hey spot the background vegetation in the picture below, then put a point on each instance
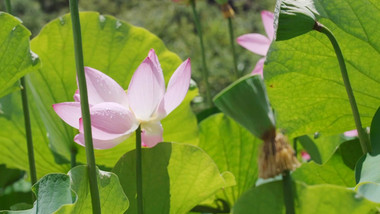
(173, 23)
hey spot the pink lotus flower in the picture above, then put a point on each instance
(305, 156)
(352, 133)
(257, 43)
(116, 114)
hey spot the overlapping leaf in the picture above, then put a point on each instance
(321, 148)
(13, 149)
(61, 193)
(268, 198)
(52, 191)
(176, 177)
(332, 172)
(16, 59)
(234, 149)
(112, 197)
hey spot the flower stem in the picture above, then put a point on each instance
(204, 70)
(28, 127)
(364, 141)
(8, 6)
(139, 172)
(28, 130)
(288, 192)
(84, 107)
(73, 158)
(232, 41)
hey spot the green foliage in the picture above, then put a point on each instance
(60, 193)
(303, 78)
(268, 198)
(367, 169)
(113, 199)
(246, 101)
(333, 172)
(9, 176)
(52, 191)
(294, 18)
(370, 191)
(107, 52)
(16, 58)
(174, 24)
(176, 177)
(16, 193)
(13, 150)
(320, 148)
(351, 152)
(368, 177)
(234, 149)
(375, 133)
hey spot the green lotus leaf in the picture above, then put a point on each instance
(16, 59)
(246, 101)
(303, 78)
(176, 177)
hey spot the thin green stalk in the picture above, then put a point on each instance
(28, 130)
(295, 146)
(28, 127)
(204, 70)
(288, 192)
(8, 6)
(232, 41)
(84, 107)
(73, 158)
(139, 172)
(364, 141)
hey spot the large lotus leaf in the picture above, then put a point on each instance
(176, 177)
(303, 76)
(112, 197)
(52, 191)
(234, 149)
(268, 198)
(13, 149)
(16, 59)
(113, 47)
(332, 172)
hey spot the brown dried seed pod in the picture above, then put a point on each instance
(276, 156)
(227, 11)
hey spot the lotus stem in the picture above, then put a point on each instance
(232, 41)
(8, 6)
(91, 166)
(28, 127)
(28, 130)
(229, 13)
(364, 141)
(288, 192)
(139, 172)
(204, 70)
(73, 159)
